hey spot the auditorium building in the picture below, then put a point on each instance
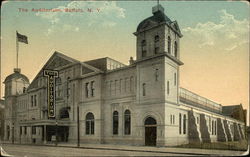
(106, 101)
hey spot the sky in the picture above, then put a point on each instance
(214, 46)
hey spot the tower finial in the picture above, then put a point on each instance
(157, 8)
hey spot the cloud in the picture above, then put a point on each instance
(228, 34)
(100, 13)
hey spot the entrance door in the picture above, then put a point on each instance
(150, 132)
(150, 136)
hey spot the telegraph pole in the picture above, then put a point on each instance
(78, 127)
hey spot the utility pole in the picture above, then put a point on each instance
(13, 133)
(56, 133)
(78, 127)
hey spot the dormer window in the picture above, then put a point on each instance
(169, 44)
(143, 47)
(175, 49)
(156, 44)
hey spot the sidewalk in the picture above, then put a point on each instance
(189, 151)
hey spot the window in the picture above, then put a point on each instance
(175, 49)
(197, 120)
(20, 130)
(131, 83)
(115, 122)
(90, 124)
(175, 79)
(212, 127)
(68, 87)
(92, 88)
(120, 86)
(86, 89)
(172, 119)
(33, 130)
(156, 74)
(210, 124)
(127, 122)
(179, 123)
(58, 87)
(34, 100)
(25, 130)
(24, 89)
(143, 47)
(169, 44)
(144, 89)
(156, 44)
(31, 100)
(215, 127)
(110, 88)
(184, 124)
(168, 87)
(116, 86)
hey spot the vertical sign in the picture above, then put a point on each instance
(51, 75)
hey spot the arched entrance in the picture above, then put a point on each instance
(150, 131)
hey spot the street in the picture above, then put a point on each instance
(41, 151)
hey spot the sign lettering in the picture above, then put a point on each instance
(51, 75)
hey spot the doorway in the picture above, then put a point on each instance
(150, 131)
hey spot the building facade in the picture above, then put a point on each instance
(105, 101)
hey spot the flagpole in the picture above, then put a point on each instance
(17, 47)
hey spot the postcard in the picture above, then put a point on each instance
(124, 78)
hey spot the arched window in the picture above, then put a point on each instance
(184, 124)
(143, 47)
(150, 121)
(90, 124)
(169, 44)
(144, 89)
(127, 122)
(156, 44)
(175, 49)
(115, 122)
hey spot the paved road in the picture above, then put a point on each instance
(44, 151)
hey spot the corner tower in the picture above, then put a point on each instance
(158, 45)
(157, 71)
(15, 84)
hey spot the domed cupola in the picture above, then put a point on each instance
(158, 35)
(158, 18)
(16, 83)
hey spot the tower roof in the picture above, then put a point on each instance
(158, 17)
(16, 75)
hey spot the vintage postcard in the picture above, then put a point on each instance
(124, 78)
